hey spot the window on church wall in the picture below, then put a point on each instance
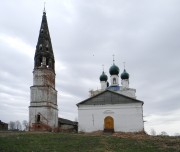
(40, 61)
(43, 61)
(47, 48)
(50, 64)
(37, 62)
(38, 118)
(42, 30)
(114, 80)
(47, 63)
(40, 47)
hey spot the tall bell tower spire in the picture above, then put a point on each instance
(43, 109)
(44, 56)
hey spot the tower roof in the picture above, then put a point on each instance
(103, 77)
(44, 46)
(124, 75)
(114, 70)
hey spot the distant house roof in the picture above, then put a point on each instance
(66, 121)
(109, 97)
(3, 123)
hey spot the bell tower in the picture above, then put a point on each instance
(43, 109)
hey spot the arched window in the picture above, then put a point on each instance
(114, 80)
(40, 46)
(47, 47)
(38, 118)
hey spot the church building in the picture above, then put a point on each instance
(43, 109)
(113, 108)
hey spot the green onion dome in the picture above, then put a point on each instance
(103, 77)
(114, 70)
(124, 75)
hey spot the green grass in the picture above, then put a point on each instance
(66, 142)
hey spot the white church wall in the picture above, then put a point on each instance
(114, 80)
(127, 117)
(103, 85)
(128, 92)
(125, 83)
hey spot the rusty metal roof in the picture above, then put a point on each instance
(66, 121)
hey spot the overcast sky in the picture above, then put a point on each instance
(85, 34)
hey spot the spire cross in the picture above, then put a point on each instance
(124, 64)
(44, 6)
(113, 58)
(103, 67)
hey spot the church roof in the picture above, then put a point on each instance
(2, 123)
(66, 121)
(109, 97)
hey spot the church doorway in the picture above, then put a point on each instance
(108, 124)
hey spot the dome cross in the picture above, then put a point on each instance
(113, 58)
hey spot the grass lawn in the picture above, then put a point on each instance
(67, 142)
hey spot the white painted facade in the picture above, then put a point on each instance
(103, 85)
(130, 92)
(125, 83)
(127, 117)
(114, 80)
(112, 108)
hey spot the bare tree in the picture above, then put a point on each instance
(153, 132)
(163, 133)
(18, 125)
(12, 125)
(25, 124)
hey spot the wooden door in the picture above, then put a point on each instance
(108, 123)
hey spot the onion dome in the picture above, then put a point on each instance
(114, 70)
(124, 75)
(103, 77)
